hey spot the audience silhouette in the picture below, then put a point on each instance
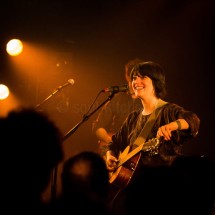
(85, 184)
(31, 148)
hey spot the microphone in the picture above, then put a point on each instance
(116, 89)
(70, 81)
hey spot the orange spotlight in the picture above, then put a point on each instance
(14, 47)
(4, 92)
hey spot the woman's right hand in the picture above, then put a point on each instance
(111, 161)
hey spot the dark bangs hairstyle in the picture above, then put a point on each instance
(155, 72)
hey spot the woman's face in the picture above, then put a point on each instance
(143, 86)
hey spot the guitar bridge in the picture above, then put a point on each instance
(132, 166)
(132, 163)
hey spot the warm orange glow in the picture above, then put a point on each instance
(35, 75)
(34, 62)
(4, 91)
(14, 47)
(37, 67)
(8, 104)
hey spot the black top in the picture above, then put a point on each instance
(169, 149)
(114, 113)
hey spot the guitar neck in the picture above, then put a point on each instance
(146, 146)
(130, 155)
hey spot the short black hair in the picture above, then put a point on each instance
(155, 72)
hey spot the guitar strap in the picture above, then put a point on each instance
(148, 125)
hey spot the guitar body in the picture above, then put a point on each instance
(122, 175)
(128, 164)
(120, 178)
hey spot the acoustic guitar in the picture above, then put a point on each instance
(127, 164)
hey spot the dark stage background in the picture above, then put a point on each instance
(90, 42)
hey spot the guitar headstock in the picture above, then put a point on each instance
(152, 145)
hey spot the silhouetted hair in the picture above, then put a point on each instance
(85, 174)
(33, 142)
(155, 72)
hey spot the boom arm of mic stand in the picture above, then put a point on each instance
(86, 117)
(55, 91)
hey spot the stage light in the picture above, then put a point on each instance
(14, 47)
(4, 92)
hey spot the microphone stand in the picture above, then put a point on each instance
(86, 117)
(54, 92)
(67, 135)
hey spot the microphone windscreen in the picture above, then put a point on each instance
(71, 81)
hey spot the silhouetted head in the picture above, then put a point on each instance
(31, 147)
(85, 174)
